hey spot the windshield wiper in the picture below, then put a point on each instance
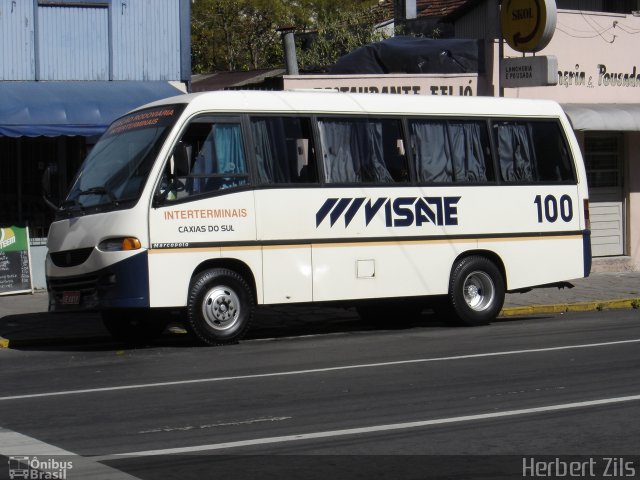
(70, 203)
(98, 191)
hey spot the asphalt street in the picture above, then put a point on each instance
(426, 401)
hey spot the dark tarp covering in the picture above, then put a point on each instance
(412, 55)
(52, 109)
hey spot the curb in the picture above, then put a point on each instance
(624, 303)
(50, 342)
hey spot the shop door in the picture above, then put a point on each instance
(604, 158)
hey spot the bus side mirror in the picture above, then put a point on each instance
(177, 166)
(49, 200)
(181, 165)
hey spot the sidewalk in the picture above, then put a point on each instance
(599, 291)
(24, 320)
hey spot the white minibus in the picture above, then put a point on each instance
(210, 204)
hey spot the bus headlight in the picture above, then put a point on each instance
(120, 244)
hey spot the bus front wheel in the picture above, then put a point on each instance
(220, 306)
(476, 291)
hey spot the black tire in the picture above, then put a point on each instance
(476, 291)
(133, 326)
(220, 306)
(391, 314)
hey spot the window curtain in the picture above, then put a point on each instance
(336, 147)
(353, 151)
(367, 145)
(448, 152)
(203, 163)
(230, 156)
(432, 152)
(515, 154)
(221, 153)
(269, 137)
(229, 152)
(467, 152)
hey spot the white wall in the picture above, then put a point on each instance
(592, 46)
(38, 254)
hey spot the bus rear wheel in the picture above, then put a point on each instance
(476, 291)
(220, 306)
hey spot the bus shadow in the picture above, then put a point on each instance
(270, 323)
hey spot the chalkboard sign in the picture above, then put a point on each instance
(15, 261)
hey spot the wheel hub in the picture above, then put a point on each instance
(220, 308)
(479, 291)
(472, 291)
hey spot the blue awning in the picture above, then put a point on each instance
(52, 109)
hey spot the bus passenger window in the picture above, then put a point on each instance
(448, 151)
(515, 152)
(532, 151)
(551, 152)
(284, 150)
(363, 150)
(209, 157)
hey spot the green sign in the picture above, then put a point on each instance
(15, 265)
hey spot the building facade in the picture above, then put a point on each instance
(68, 69)
(598, 85)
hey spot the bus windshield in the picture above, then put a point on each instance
(115, 172)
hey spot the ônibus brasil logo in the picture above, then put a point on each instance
(397, 212)
(38, 469)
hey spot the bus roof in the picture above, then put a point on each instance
(329, 102)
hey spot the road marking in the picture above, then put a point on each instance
(186, 428)
(371, 429)
(19, 445)
(517, 392)
(314, 370)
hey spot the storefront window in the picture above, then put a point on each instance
(603, 159)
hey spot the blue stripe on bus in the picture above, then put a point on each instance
(586, 248)
(131, 286)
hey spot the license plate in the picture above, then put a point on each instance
(70, 298)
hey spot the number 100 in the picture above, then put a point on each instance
(550, 208)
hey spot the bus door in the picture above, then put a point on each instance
(203, 208)
(287, 177)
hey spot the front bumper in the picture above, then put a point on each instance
(124, 284)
